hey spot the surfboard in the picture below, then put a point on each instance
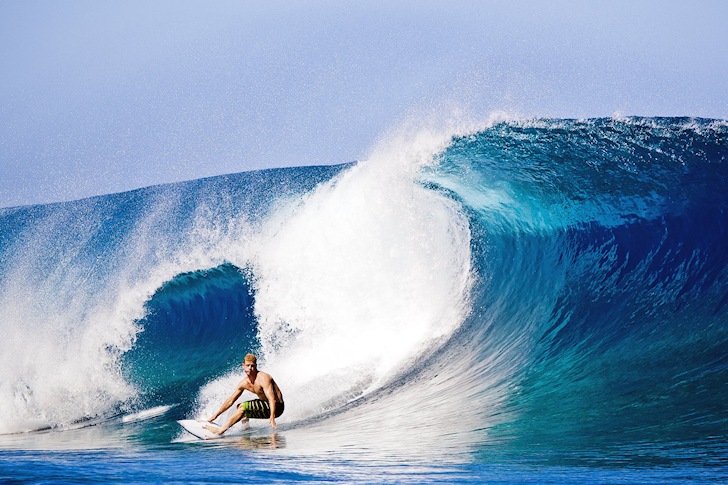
(197, 428)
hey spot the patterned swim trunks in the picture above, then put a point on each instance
(259, 409)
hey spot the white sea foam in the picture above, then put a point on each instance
(57, 354)
(359, 277)
(66, 320)
(146, 414)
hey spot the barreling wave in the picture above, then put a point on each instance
(600, 246)
(557, 282)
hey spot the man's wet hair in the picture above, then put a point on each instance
(250, 358)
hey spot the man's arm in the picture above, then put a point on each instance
(228, 402)
(271, 395)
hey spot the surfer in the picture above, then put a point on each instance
(268, 406)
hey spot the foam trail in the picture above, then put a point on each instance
(146, 414)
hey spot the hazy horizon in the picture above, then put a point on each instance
(106, 97)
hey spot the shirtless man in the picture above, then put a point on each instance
(269, 406)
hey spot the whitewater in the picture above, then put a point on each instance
(512, 300)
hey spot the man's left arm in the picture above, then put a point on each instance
(271, 395)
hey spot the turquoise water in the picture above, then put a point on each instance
(522, 301)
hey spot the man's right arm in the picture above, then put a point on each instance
(228, 402)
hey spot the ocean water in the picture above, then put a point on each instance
(519, 301)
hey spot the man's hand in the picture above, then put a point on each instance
(273, 422)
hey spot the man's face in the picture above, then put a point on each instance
(249, 367)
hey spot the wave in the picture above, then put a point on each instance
(605, 274)
(558, 282)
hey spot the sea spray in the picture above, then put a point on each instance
(77, 279)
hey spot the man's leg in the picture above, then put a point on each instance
(238, 416)
(244, 421)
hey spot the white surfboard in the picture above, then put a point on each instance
(197, 429)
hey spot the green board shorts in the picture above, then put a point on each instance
(259, 409)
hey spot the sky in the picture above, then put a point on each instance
(102, 97)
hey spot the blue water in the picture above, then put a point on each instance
(515, 301)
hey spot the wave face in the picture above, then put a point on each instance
(532, 284)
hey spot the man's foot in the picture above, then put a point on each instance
(215, 429)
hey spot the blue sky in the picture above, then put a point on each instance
(100, 97)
